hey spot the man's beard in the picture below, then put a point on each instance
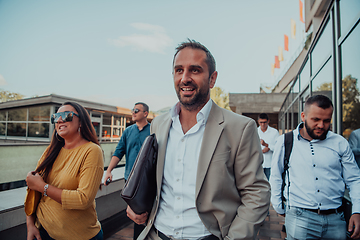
(196, 101)
(313, 135)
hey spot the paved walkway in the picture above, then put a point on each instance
(270, 230)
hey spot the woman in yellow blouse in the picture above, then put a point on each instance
(71, 170)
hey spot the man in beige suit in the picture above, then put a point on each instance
(210, 181)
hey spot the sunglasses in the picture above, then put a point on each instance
(65, 116)
(135, 110)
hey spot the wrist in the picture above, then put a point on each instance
(46, 187)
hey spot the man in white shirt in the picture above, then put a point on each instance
(268, 136)
(320, 165)
(210, 182)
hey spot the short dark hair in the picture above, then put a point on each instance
(145, 106)
(321, 101)
(263, 116)
(210, 60)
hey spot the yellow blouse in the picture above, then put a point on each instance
(79, 173)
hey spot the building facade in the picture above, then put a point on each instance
(29, 119)
(330, 67)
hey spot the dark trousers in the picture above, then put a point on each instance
(137, 230)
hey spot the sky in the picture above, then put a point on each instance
(120, 52)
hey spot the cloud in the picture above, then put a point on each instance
(2, 80)
(156, 41)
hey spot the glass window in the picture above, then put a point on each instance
(39, 113)
(305, 75)
(322, 50)
(2, 129)
(296, 113)
(2, 115)
(116, 133)
(349, 10)
(117, 120)
(106, 131)
(296, 87)
(16, 129)
(350, 82)
(17, 114)
(38, 130)
(107, 119)
(97, 128)
(323, 82)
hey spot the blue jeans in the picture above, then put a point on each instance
(45, 236)
(267, 173)
(302, 224)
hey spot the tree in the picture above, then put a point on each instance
(350, 100)
(220, 97)
(351, 103)
(9, 96)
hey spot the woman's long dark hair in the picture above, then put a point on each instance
(87, 131)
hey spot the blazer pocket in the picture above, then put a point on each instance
(223, 156)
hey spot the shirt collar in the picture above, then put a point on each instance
(203, 114)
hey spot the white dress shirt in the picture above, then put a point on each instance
(318, 172)
(177, 215)
(269, 136)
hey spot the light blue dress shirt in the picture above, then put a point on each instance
(318, 172)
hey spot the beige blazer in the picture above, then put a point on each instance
(232, 193)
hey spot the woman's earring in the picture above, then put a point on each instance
(60, 139)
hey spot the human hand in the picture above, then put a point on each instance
(32, 231)
(265, 149)
(354, 225)
(34, 181)
(138, 219)
(107, 176)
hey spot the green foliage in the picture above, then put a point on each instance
(220, 97)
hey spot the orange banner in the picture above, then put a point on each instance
(293, 28)
(301, 11)
(277, 62)
(286, 42)
(281, 56)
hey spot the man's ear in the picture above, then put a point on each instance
(213, 78)
(302, 116)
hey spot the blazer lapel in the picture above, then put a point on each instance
(162, 138)
(212, 133)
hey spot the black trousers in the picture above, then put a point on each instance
(137, 230)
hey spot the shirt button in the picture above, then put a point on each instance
(179, 160)
(318, 190)
(182, 140)
(177, 233)
(177, 218)
(177, 180)
(178, 198)
(314, 165)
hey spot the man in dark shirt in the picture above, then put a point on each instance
(130, 144)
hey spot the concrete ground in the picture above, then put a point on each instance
(270, 230)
